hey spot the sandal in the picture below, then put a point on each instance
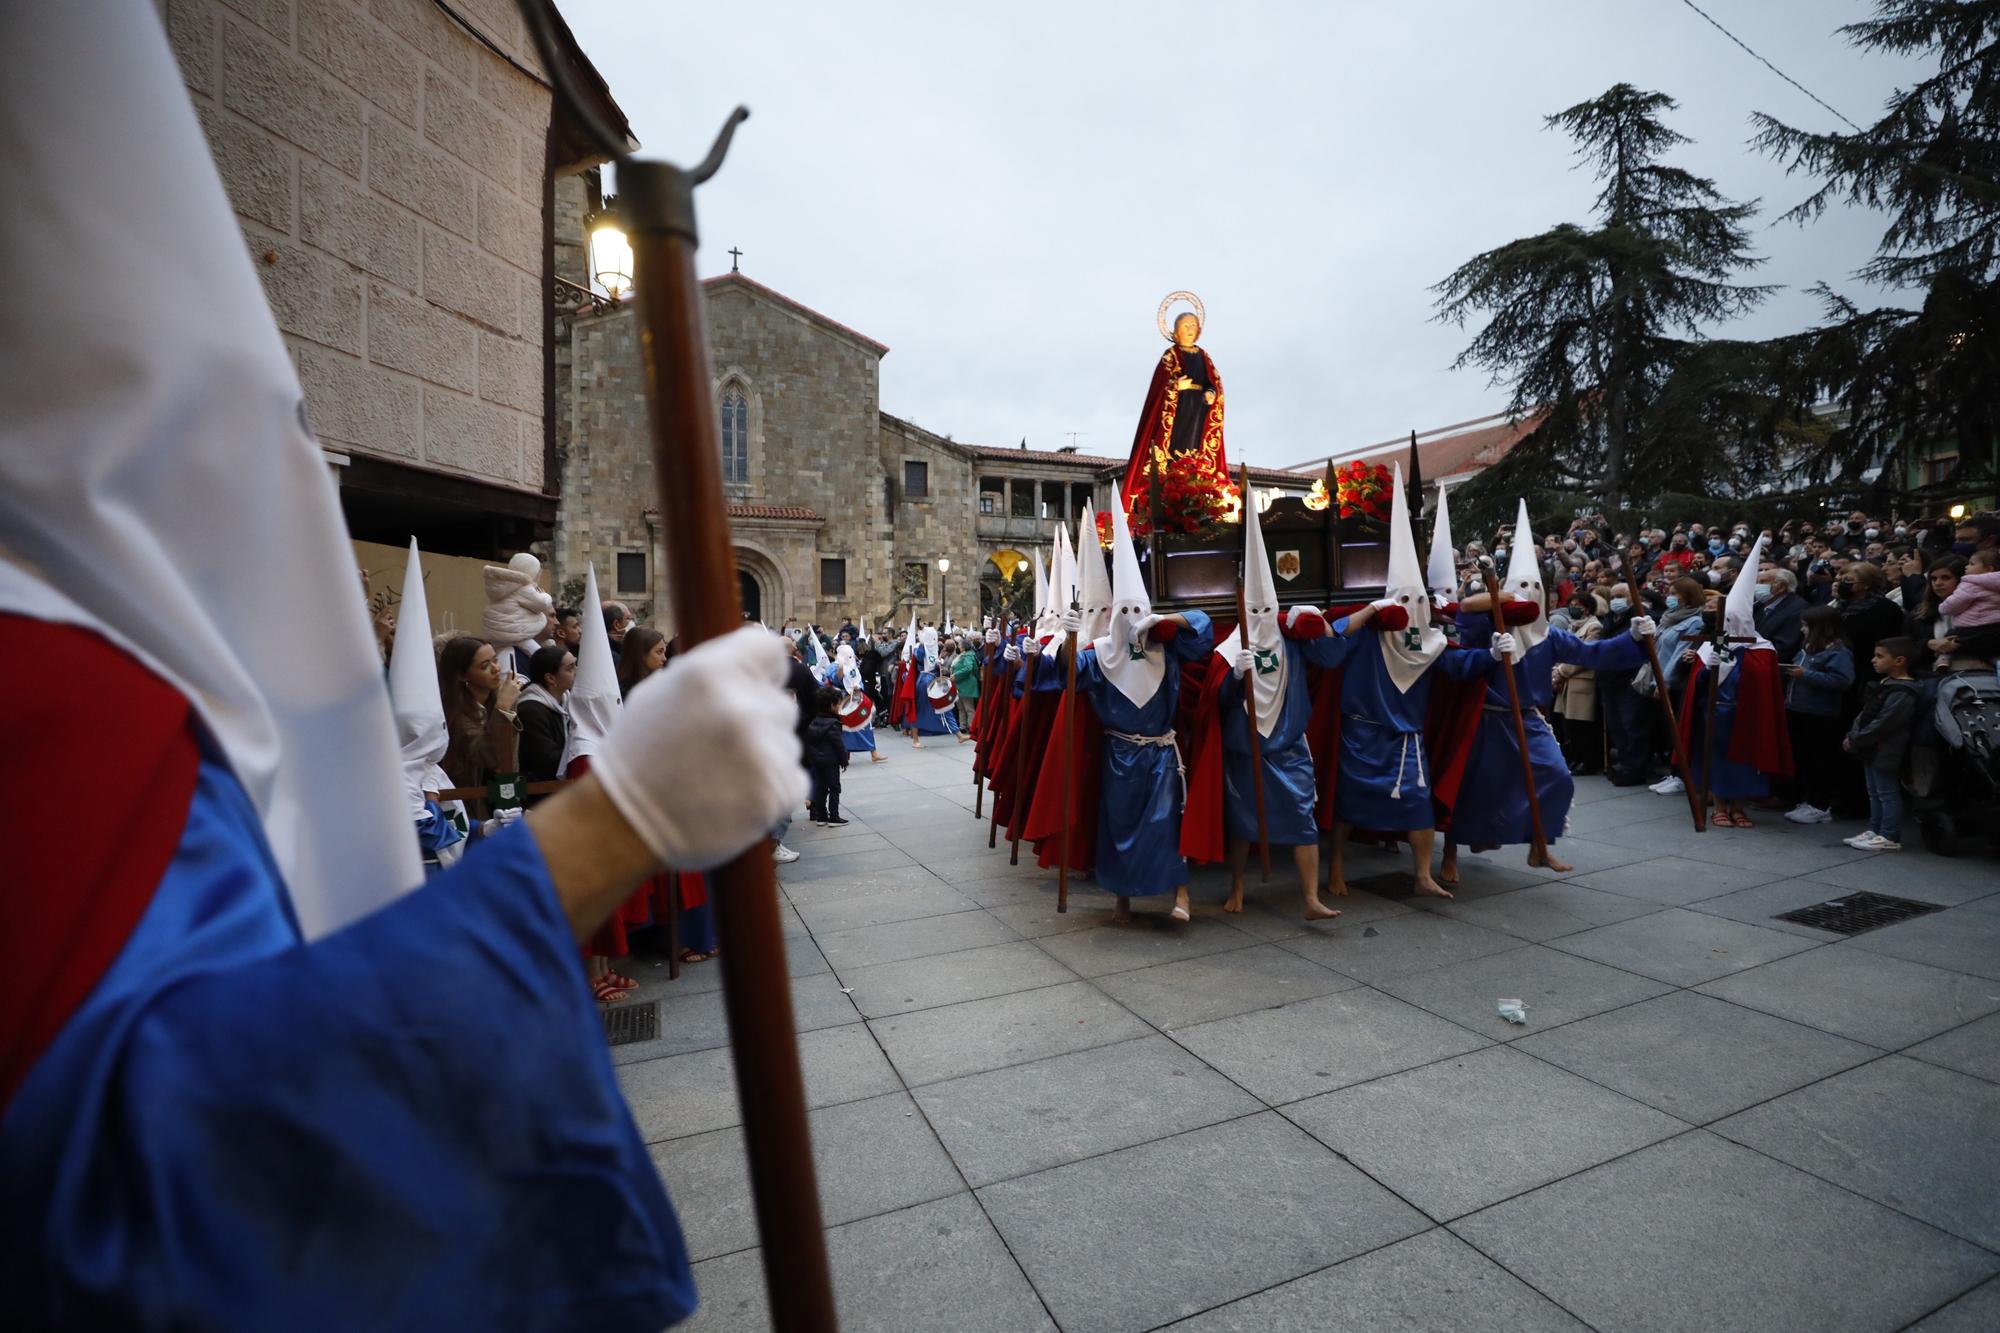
(620, 981)
(605, 992)
(690, 956)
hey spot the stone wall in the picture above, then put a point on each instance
(939, 525)
(388, 170)
(607, 481)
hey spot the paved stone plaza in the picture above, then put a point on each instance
(1712, 1119)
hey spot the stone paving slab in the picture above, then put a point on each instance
(1968, 878)
(1924, 1140)
(1761, 905)
(1317, 1045)
(1973, 1049)
(1556, 987)
(1963, 939)
(871, 1157)
(1695, 1057)
(1395, 946)
(1467, 1132)
(1697, 1233)
(694, 1093)
(1426, 1284)
(1146, 941)
(1681, 947)
(936, 1266)
(695, 1021)
(952, 978)
(1035, 917)
(918, 937)
(1196, 1220)
(1221, 985)
(1676, 880)
(936, 1044)
(1545, 911)
(1978, 1311)
(1877, 998)
(881, 908)
(1027, 1118)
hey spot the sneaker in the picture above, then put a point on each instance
(1808, 814)
(1667, 786)
(1877, 843)
(836, 822)
(783, 855)
(819, 823)
(1861, 839)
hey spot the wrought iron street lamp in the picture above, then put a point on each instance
(944, 590)
(610, 255)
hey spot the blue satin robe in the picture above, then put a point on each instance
(1384, 771)
(1494, 809)
(1727, 779)
(1290, 788)
(1142, 793)
(931, 722)
(856, 739)
(410, 1123)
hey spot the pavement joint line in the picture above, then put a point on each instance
(977, 999)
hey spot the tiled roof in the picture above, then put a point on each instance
(1039, 456)
(776, 297)
(741, 509)
(1447, 451)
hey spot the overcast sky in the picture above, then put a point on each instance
(1003, 193)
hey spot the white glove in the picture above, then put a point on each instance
(1292, 616)
(1383, 604)
(1013, 653)
(1144, 625)
(1246, 661)
(1032, 646)
(720, 710)
(1642, 627)
(1503, 647)
(1072, 622)
(992, 637)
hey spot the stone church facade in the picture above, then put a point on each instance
(838, 509)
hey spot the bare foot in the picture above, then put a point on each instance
(1123, 912)
(1548, 860)
(1319, 911)
(1337, 887)
(916, 745)
(1448, 872)
(875, 758)
(1235, 902)
(1430, 888)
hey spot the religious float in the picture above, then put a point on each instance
(1327, 548)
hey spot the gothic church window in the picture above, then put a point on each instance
(735, 436)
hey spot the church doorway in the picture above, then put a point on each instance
(752, 595)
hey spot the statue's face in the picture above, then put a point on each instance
(1186, 329)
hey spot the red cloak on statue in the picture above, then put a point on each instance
(1155, 435)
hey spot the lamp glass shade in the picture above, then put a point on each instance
(611, 258)
(944, 564)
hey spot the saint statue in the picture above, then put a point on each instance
(1183, 411)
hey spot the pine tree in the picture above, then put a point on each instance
(1592, 325)
(1911, 378)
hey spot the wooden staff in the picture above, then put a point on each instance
(1020, 815)
(1250, 701)
(1006, 689)
(1679, 753)
(983, 715)
(1068, 764)
(1538, 854)
(1708, 732)
(657, 201)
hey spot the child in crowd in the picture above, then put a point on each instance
(1974, 606)
(1817, 688)
(1879, 738)
(826, 755)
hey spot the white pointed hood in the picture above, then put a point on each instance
(1134, 667)
(1260, 609)
(1094, 581)
(1523, 583)
(1442, 570)
(595, 699)
(1063, 588)
(1739, 608)
(928, 637)
(158, 484)
(414, 695)
(1045, 597)
(910, 637)
(1409, 652)
(849, 667)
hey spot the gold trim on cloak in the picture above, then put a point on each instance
(1211, 433)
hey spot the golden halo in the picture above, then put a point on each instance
(1160, 319)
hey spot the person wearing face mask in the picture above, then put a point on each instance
(1627, 722)
(1575, 707)
(1680, 628)
(1777, 610)
(1676, 559)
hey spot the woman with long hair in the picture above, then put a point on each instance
(1928, 624)
(479, 715)
(643, 652)
(543, 713)
(1817, 687)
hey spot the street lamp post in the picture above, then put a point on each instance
(944, 590)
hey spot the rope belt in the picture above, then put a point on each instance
(1166, 740)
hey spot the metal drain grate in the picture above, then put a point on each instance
(627, 1023)
(1858, 912)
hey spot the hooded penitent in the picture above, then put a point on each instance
(1407, 652)
(1134, 667)
(1260, 609)
(1039, 626)
(595, 698)
(849, 666)
(516, 609)
(1094, 581)
(1522, 586)
(1739, 615)
(1062, 581)
(413, 690)
(1442, 570)
(178, 503)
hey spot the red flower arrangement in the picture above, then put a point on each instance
(1104, 528)
(1363, 489)
(1192, 498)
